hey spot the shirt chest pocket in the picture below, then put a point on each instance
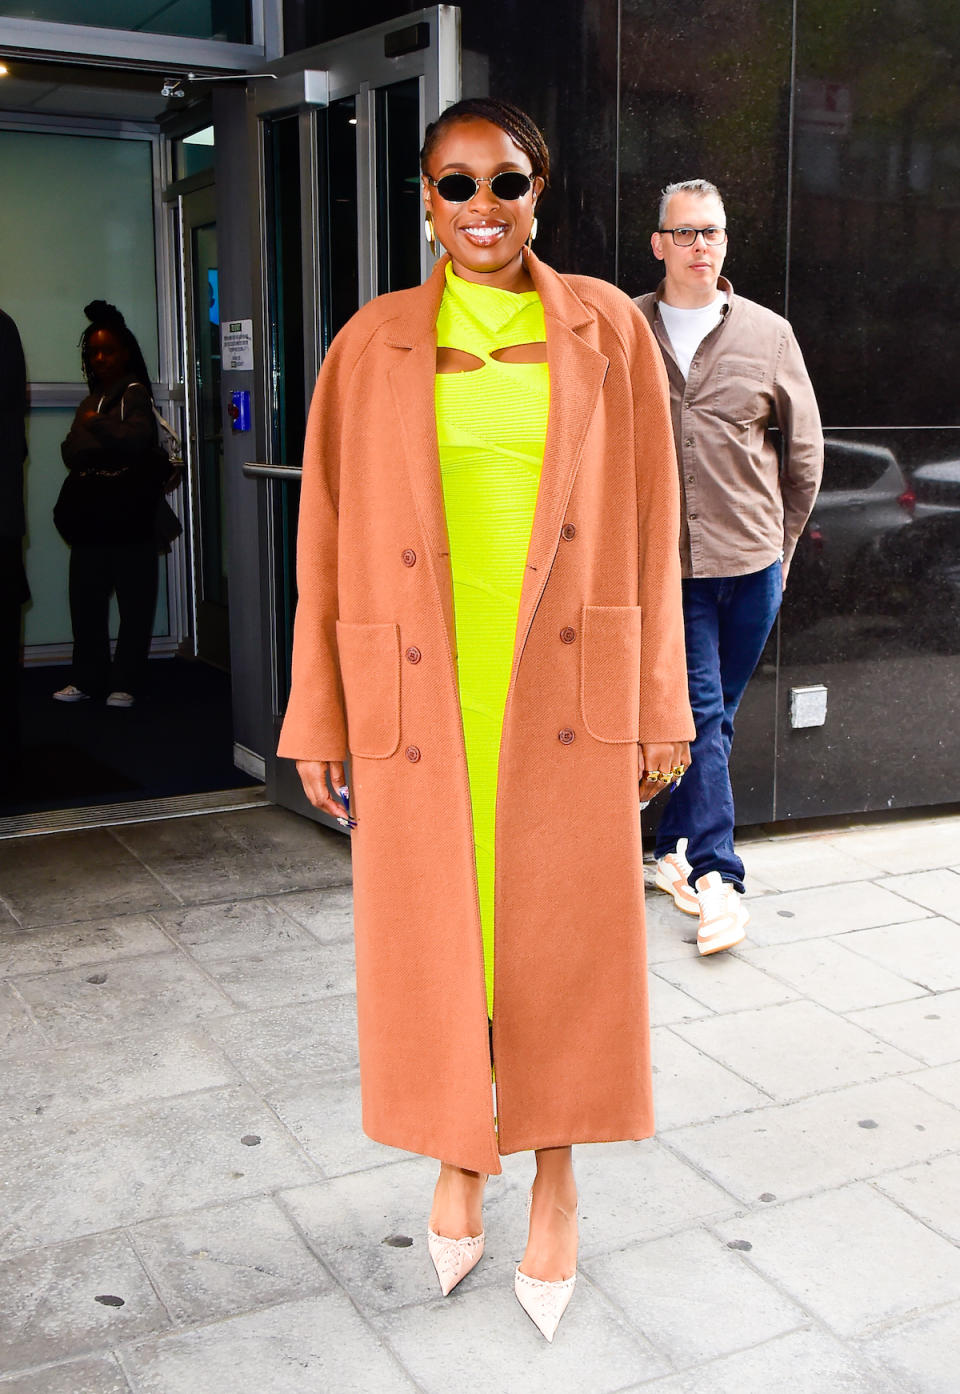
(741, 392)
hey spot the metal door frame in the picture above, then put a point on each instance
(355, 65)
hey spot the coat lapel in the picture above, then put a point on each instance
(414, 339)
(577, 372)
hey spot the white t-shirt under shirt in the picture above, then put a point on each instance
(688, 328)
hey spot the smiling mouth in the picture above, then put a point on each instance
(484, 234)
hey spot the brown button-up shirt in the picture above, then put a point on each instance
(742, 505)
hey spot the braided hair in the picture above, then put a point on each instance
(509, 118)
(103, 315)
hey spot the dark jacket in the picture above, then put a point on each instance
(13, 441)
(117, 469)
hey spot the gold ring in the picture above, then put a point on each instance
(657, 777)
(678, 772)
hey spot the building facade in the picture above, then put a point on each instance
(278, 188)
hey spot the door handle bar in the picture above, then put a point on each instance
(258, 470)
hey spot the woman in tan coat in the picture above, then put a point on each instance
(406, 589)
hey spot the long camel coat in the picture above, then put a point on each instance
(375, 672)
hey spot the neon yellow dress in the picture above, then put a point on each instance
(491, 427)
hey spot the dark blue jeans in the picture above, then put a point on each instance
(727, 621)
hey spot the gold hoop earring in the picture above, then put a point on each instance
(430, 233)
(533, 231)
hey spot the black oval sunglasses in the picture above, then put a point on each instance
(509, 184)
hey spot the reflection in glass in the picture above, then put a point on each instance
(225, 20)
(337, 201)
(399, 208)
(876, 209)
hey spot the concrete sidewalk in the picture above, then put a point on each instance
(188, 1205)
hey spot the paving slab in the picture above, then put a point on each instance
(99, 1375)
(76, 1082)
(485, 1341)
(803, 1362)
(692, 1297)
(794, 864)
(73, 945)
(816, 913)
(794, 1050)
(276, 978)
(689, 1087)
(233, 929)
(832, 1253)
(53, 1302)
(905, 845)
(669, 1004)
(925, 952)
(84, 876)
(317, 1344)
(327, 914)
(58, 1182)
(921, 1354)
(249, 853)
(930, 1192)
(225, 1260)
(18, 1030)
(631, 1191)
(347, 1219)
(935, 890)
(928, 1027)
(942, 1081)
(324, 1116)
(281, 1045)
(100, 999)
(725, 982)
(827, 972)
(670, 933)
(799, 1148)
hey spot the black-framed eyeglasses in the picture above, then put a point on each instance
(686, 236)
(509, 185)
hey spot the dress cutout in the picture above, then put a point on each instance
(491, 428)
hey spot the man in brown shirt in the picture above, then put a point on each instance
(735, 372)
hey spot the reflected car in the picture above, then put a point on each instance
(864, 502)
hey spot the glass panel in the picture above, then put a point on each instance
(337, 151)
(289, 405)
(209, 445)
(193, 154)
(876, 209)
(399, 205)
(226, 20)
(107, 185)
(872, 611)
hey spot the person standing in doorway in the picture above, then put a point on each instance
(14, 592)
(107, 511)
(735, 373)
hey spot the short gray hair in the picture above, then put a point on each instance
(701, 187)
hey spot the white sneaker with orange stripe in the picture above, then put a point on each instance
(671, 876)
(723, 915)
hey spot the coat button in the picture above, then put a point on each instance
(567, 635)
(408, 556)
(688, 441)
(412, 753)
(566, 736)
(413, 655)
(692, 517)
(568, 532)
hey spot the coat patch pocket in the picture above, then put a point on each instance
(370, 670)
(610, 672)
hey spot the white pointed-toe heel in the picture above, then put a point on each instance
(544, 1303)
(454, 1258)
